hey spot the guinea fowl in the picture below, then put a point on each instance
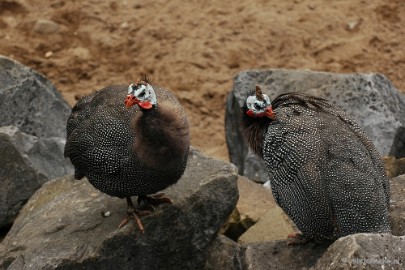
(135, 149)
(324, 171)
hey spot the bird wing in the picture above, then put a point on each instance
(322, 171)
(292, 150)
(356, 185)
(98, 139)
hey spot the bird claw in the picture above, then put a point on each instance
(150, 201)
(134, 214)
(297, 238)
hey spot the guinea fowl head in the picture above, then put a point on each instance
(141, 93)
(162, 137)
(257, 114)
(259, 105)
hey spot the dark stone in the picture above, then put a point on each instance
(397, 205)
(26, 163)
(279, 255)
(394, 166)
(364, 251)
(62, 226)
(30, 102)
(371, 98)
(222, 254)
(398, 146)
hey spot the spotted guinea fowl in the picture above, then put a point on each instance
(132, 149)
(324, 171)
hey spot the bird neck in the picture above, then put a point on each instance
(161, 137)
(253, 130)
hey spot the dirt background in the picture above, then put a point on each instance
(195, 48)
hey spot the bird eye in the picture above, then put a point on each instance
(141, 94)
(258, 106)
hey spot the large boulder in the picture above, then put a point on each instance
(358, 251)
(68, 224)
(364, 251)
(30, 102)
(371, 98)
(255, 213)
(221, 254)
(26, 163)
(397, 205)
(279, 255)
(33, 118)
(273, 225)
(394, 166)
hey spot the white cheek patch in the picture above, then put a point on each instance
(146, 93)
(257, 106)
(141, 88)
(131, 88)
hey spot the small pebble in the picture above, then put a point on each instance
(48, 54)
(105, 213)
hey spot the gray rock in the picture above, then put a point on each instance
(62, 227)
(279, 255)
(358, 251)
(30, 102)
(364, 251)
(221, 254)
(398, 146)
(43, 26)
(394, 166)
(371, 98)
(273, 225)
(26, 163)
(397, 205)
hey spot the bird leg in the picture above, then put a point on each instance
(153, 201)
(134, 214)
(297, 238)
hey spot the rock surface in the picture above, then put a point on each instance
(43, 26)
(255, 210)
(397, 205)
(279, 255)
(62, 226)
(221, 254)
(33, 118)
(26, 163)
(364, 251)
(273, 225)
(371, 98)
(394, 166)
(30, 102)
(359, 251)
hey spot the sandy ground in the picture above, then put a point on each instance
(195, 48)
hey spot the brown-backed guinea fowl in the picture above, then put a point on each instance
(129, 141)
(325, 173)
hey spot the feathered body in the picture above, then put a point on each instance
(325, 173)
(128, 151)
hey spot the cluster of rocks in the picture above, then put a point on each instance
(32, 136)
(219, 219)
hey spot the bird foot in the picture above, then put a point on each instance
(154, 200)
(297, 238)
(134, 214)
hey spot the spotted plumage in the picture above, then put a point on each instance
(324, 171)
(131, 151)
